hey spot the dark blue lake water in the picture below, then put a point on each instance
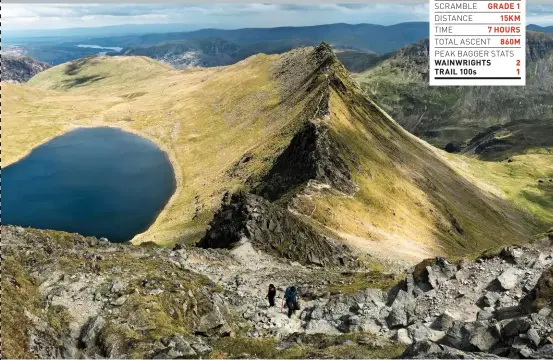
(100, 182)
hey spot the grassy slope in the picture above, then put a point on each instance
(524, 181)
(410, 200)
(206, 120)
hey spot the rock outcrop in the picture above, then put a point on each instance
(19, 69)
(461, 310)
(274, 230)
(312, 155)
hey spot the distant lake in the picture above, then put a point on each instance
(100, 182)
(100, 47)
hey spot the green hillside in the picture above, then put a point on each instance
(365, 181)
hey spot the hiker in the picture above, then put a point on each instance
(271, 295)
(291, 298)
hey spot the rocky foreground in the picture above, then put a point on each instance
(65, 295)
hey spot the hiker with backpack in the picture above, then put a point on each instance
(271, 295)
(291, 299)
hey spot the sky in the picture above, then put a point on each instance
(225, 16)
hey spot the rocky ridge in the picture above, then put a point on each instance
(249, 218)
(187, 301)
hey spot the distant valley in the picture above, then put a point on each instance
(358, 46)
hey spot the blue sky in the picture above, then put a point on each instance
(226, 16)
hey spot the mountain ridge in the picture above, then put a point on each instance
(275, 97)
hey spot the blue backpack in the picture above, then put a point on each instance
(290, 295)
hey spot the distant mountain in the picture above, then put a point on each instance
(442, 115)
(362, 37)
(18, 69)
(59, 46)
(358, 45)
(534, 27)
(178, 47)
(208, 52)
(359, 61)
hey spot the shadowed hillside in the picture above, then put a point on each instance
(442, 115)
(294, 128)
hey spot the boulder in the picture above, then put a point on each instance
(370, 326)
(402, 336)
(545, 352)
(430, 273)
(420, 332)
(443, 322)
(457, 336)
(490, 299)
(541, 295)
(508, 278)
(534, 336)
(176, 348)
(484, 315)
(515, 327)
(483, 337)
(512, 254)
(509, 312)
(397, 318)
(320, 327)
(213, 323)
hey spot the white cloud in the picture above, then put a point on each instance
(227, 15)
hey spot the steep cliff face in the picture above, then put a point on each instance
(19, 69)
